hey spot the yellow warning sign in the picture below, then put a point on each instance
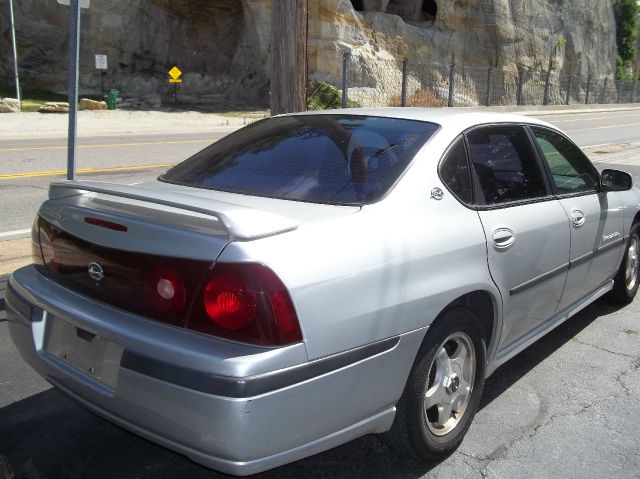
(175, 73)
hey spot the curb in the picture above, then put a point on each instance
(531, 110)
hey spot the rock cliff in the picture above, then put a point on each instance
(222, 46)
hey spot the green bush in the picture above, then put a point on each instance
(323, 96)
(626, 14)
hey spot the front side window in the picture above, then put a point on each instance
(571, 170)
(505, 165)
(333, 159)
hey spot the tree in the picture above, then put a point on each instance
(626, 15)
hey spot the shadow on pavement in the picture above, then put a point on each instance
(49, 436)
(528, 359)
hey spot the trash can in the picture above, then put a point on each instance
(111, 98)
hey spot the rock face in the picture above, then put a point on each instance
(223, 46)
(212, 42)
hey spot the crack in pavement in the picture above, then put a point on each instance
(504, 450)
(617, 353)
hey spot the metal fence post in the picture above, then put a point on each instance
(568, 90)
(633, 92)
(452, 70)
(547, 83)
(586, 96)
(405, 79)
(489, 86)
(345, 77)
(618, 90)
(519, 90)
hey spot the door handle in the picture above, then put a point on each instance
(503, 238)
(577, 218)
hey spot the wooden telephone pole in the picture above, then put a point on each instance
(288, 56)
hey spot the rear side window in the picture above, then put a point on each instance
(571, 170)
(505, 165)
(454, 172)
(334, 159)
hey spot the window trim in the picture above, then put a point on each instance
(549, 196)
(472, 205)
(547, 168)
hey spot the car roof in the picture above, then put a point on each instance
(446, 117)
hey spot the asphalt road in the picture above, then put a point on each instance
(28, 166)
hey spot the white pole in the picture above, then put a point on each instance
(15, 53)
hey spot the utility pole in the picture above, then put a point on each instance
(15, 53)
(289, 56)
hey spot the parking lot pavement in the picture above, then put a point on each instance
(565, 407)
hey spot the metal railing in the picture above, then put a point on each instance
(390, 82)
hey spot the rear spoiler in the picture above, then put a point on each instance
(241, 222)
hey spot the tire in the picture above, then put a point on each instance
(627, 279)
(434, 413)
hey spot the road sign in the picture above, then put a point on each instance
(175, 73)
(101, 62)
(83, 3)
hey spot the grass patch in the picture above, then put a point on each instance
(33, 99)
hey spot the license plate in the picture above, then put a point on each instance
(83, 350)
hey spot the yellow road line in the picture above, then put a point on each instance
(109, 145)
(82, 170)
(601, 127)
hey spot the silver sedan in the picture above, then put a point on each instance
(316, 277)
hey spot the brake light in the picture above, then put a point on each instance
(246, 302)
(227, 302)
(105, 224)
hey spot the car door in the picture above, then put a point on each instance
(526, 229)
(595, 217)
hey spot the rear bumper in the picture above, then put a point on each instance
(235, 408)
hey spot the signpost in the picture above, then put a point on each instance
(175, 74)
(15, 54)
(102, 65)
(74, 53)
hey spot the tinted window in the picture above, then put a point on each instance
(571, 170)
(505, 165)
(454, 171)
(336, 159)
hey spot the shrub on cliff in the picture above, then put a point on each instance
(626, 14)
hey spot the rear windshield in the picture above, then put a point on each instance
(334, 159)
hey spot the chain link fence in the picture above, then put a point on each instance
(383, 82)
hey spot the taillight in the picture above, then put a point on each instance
(46, 237)
(166, 289)
(245, 302)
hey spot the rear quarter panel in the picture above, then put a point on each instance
(390, 268)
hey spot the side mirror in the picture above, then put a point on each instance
(615, 180)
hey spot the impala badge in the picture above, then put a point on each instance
(96, 272)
